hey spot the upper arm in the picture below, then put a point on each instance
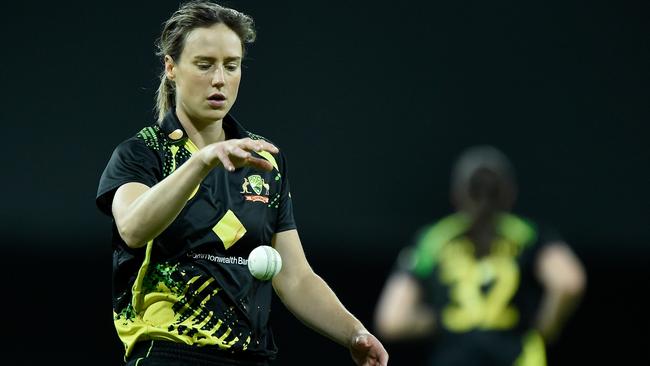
(558, 269)
(124, 196)
(131, 162)
(294, 262)
(286, 221)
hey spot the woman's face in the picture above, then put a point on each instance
(207, 75)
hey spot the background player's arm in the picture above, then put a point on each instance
(401, 313)
(312, 301)
(563, 277)
(141, 213)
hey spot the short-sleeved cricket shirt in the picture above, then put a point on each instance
(485, 306)
(191, 284)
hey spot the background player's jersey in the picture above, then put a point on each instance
(485, 305)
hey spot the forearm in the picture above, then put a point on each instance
(564, 281)
(401, 313)
(555, 309)
(153, 211)
(312, 301)
(414, 323)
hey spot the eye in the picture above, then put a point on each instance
(232, 66)
(203, 66)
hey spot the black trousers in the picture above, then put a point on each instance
(165, 353)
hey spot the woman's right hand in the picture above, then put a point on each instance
(236, 153)
(134, 204)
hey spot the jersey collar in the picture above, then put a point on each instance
(175, 133)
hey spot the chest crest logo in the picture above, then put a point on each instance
(260, 189)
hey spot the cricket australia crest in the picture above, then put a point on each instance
(260, 189)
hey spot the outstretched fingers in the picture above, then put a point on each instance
(225, 160)
(233, 154)
(258, 163)
(258, 145)
(238, 152)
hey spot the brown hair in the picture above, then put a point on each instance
(192, 15)
(483, 182)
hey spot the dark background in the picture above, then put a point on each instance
(371, 101)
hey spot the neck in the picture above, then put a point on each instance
(202, 133)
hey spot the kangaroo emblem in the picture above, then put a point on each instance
(244, 186)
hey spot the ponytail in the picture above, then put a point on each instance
(164, 96)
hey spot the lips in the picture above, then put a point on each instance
(217, 97)
(217, 100)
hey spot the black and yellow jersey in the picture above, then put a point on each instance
(485, 305)
(191, 284)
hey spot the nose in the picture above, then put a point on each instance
(218, 79)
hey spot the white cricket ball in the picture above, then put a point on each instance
(264, 262)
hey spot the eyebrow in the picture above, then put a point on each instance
(213, 59)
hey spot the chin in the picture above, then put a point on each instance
(215, 115)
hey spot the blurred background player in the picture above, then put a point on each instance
(491, 286)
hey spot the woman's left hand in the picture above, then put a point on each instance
(366, 350)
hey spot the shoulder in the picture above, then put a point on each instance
(151, 137)
(144, 149)
(443, 230)
(517, 228)
(133, 160)
(279, 161)
(246, 133)
(255, 136)
(431, 239)
(529, 234)
(147, 140)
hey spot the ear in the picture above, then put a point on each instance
(169, 67)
